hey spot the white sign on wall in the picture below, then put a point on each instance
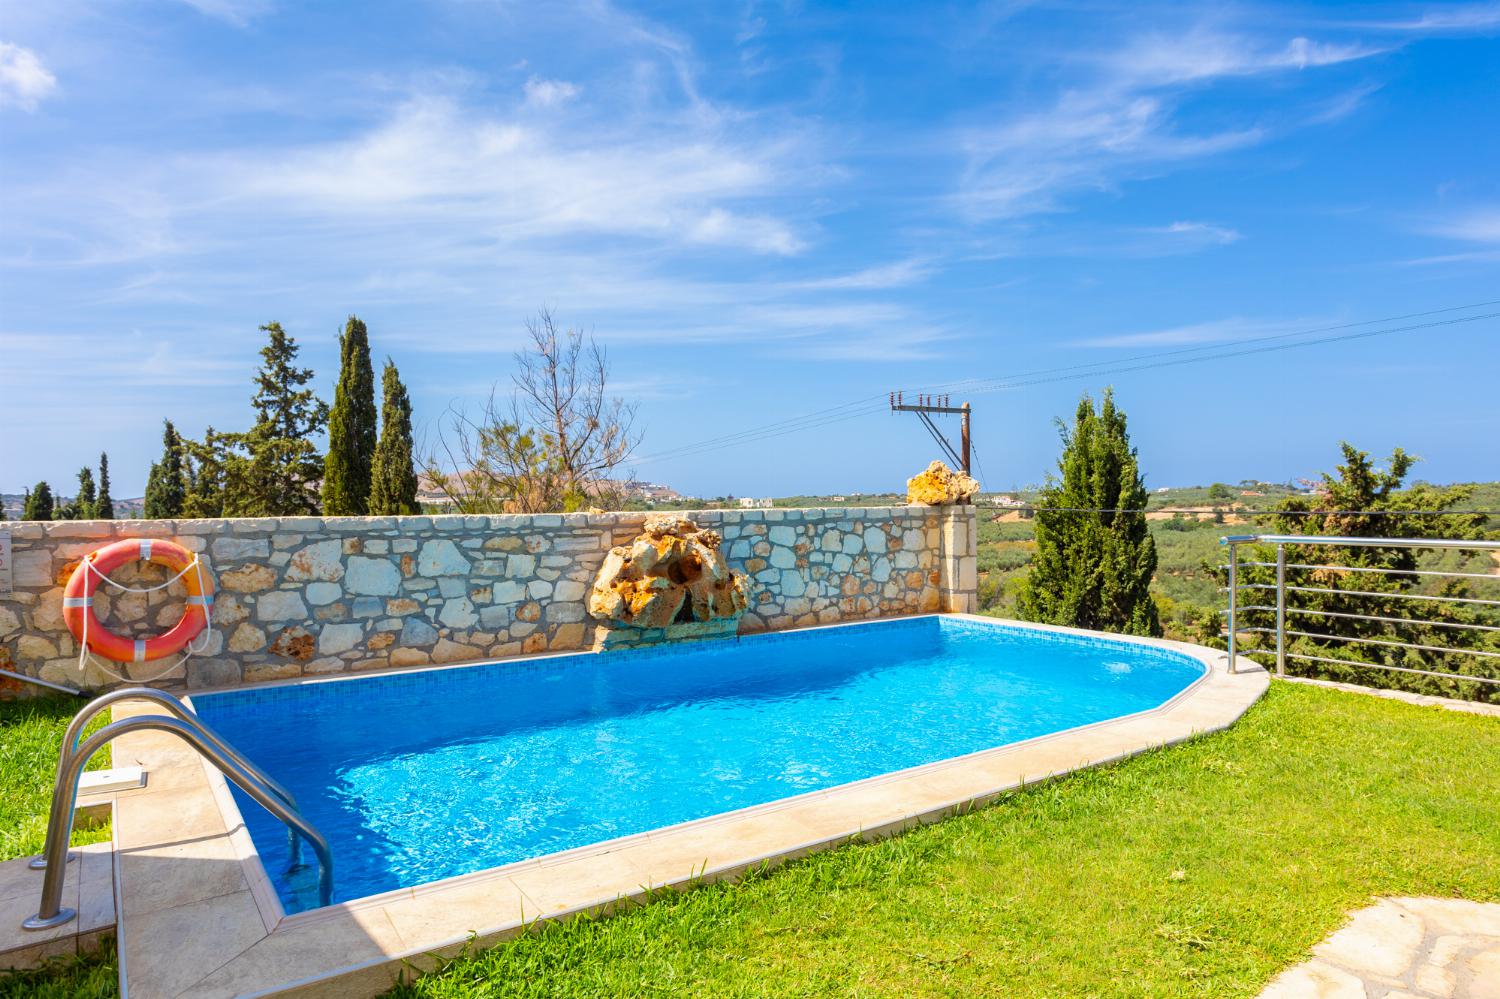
(5, 573)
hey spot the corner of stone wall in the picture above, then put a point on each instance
(958, 565)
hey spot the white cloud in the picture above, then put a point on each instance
(1481, 225)
(895, 275)
(760, 233)
(1166, 59)
(24, 81)
(509, 180)
(549, 93)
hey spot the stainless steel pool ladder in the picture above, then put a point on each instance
(187, 726)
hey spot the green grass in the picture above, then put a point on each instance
(1201, 870)
(91, 977)
(31, 733)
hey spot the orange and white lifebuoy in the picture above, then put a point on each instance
(78, 600)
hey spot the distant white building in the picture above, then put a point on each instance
(751, 503)
(1008, 501)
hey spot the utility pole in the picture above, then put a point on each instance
(927, 404)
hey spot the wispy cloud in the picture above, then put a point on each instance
(1127, 121)
(239, 13)
(1475, 17)
(549, 93)
(761, 233)
(1202, 54)
(1201, 232)
(1479, 225)
(1084, 141)
(900, 274)
(1226, 330)
(24, 81)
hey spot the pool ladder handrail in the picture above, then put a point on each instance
(208, 744)
(172, 703)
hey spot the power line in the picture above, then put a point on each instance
(1158, 359)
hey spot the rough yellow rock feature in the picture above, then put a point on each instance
(940, 485)
(672, 572)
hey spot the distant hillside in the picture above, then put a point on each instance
(125, 509)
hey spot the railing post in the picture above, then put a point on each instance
(1280, 609)
(1234, 567)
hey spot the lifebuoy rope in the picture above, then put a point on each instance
(85, 656)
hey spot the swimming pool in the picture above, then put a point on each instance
(422, 776)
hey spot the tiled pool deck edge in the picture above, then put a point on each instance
(200, 918)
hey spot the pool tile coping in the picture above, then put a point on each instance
(225, 932)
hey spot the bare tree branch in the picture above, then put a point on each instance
(553, 445)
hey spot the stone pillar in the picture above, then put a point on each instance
(959, 559)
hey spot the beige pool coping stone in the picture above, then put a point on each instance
(200, 918)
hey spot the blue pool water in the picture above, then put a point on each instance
(422, 776)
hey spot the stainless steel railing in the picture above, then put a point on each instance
(213, 748)
(172, 703)
(1285, 596)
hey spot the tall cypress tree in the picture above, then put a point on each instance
(393, 489)
(166, 487)
(104, 506)
(1094, 555)
(38, 503)
(351, 427)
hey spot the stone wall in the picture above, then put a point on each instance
(303, 596)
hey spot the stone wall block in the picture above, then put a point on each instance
(441, 558)
(372, 576)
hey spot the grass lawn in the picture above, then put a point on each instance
(1202, 870)
(31, 734)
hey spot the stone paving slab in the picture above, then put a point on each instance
(1403, 948)
(89, 887)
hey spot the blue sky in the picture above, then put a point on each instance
(763, 210)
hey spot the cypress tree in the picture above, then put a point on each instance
(166, 487)
(393, 489)
(85, 503)
(104, 506)
(351, 427)
(38, 503)
(1094, 555)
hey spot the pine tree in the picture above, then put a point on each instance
(273, 469)
(104, 506)
(166, 487)
(86, 501)
(38, 503)
(393, 487)
(1094, 555)
(351, 427)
